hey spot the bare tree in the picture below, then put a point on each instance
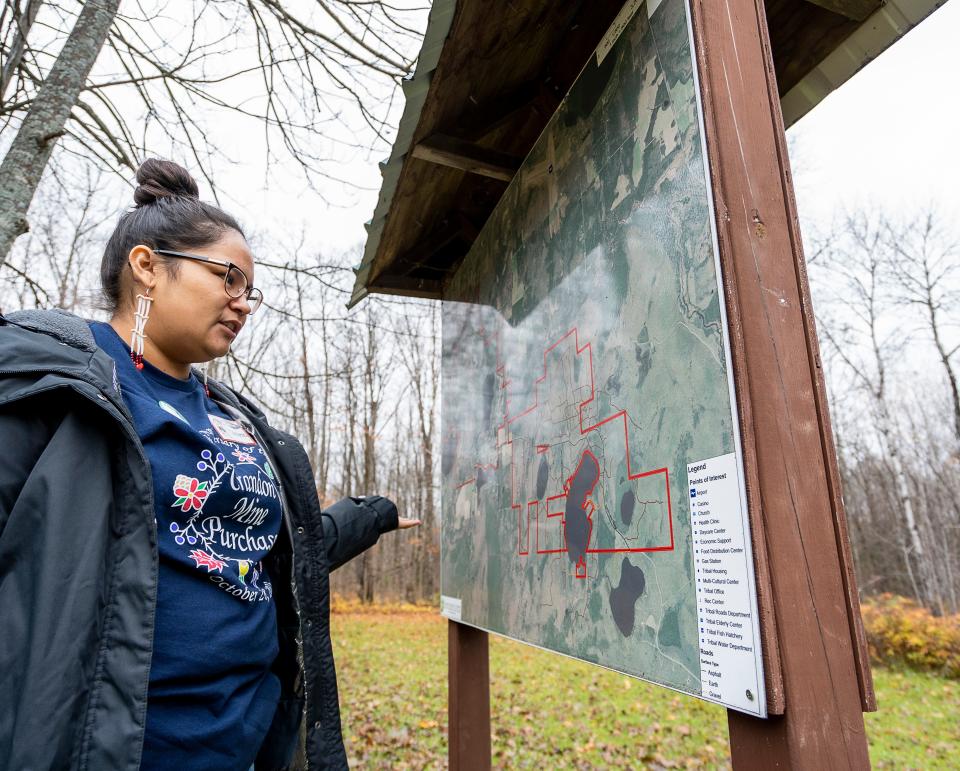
(320, 78)
(926, 263)
(57, 264)
(886, 297)
(862, 337)
(304, 71)
(16, 20)
(422, 366)
(44, 123)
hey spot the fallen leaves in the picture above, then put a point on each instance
(550, 712)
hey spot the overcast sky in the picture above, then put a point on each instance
(890, 136)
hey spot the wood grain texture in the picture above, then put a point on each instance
(469, 698)
(491, 53)
(868, 699)
(799, 532)
(456, 153)
(803, 35)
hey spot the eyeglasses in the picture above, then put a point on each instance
(235, 282)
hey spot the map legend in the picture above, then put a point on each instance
(730, 662)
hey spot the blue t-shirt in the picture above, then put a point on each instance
(212, 695)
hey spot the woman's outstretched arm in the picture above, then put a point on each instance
(353, 525)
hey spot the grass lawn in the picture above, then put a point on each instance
(550, 712)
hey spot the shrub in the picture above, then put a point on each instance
(899, 631)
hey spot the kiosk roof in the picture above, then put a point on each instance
(488, 78)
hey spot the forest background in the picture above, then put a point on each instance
(281, 109)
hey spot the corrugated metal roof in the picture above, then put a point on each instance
(415, 90)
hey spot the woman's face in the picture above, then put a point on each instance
(193, 319)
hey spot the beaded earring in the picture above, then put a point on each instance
(144, 301)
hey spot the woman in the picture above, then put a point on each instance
(163, 557)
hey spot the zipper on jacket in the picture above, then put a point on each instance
(301, 656)
(301, 660)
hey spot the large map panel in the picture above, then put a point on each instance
(586, 387)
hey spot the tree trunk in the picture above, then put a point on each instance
(947, 368)
(312, 449)
(27, 157)
(23, 21)
(323, 461)
(891, 444)
(370, 418)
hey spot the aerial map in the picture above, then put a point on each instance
(592, 478)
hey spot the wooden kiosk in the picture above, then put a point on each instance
(489, 79)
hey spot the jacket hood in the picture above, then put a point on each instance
(38, 345)
(62, 325)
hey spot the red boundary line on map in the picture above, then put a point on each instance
(584, 430)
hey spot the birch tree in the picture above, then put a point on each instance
(926, 263)
(863, 337)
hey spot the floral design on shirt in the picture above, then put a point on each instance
(205, 532)
(243, 457)
(204, 560)
(191, 493)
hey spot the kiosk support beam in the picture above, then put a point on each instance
(469, 698)
(458, 154)
(789, 456)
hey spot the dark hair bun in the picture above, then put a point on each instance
(163, 179)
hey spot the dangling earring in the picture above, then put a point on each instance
(144, 301)
(203, 368)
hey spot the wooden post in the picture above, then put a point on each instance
(792, 476)
(469, 698)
